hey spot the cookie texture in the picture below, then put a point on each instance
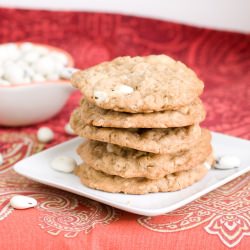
(116, 184)
(158, 141)
(139, 84)
(128, 163)
(184, 116)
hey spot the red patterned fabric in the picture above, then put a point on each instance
(219, 220)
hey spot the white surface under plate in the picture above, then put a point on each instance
(37, 168)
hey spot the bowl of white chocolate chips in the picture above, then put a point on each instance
(34, 83)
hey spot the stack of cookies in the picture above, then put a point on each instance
(141, 116)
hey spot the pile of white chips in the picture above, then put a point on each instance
(28, 63)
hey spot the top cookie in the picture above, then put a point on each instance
(139, 84)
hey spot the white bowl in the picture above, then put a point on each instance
(28, 104)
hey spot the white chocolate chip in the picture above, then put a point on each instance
(58, 69)
(13, 73)
(41, 50)
(27, 62)
(64, 164)
(28, 71)
(1, 72)
(26, 46)
(66, 73)
(110, 148)
(3, 54)
(38, 78)
(45, 65)
(185, 110)
(207, 165)
(31, 57)
(52, 77)
(45, 134)
(22, 202)
(4, 83)
(12, 51)
(100, 96)
(26, 80)
(68, 130)
(59, 57)
(123, 89)
(228, 162)
(1, 159)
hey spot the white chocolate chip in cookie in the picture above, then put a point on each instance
(64, 164)
(134, 84)
(100, 96)
(123, 89)
(68, 130)
(207, 165)
(110, 148)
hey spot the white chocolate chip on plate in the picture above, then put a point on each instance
(22, 202)
(64, 164)
(228, 162)
(45, 134)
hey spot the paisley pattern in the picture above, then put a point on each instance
(224, 212)
(219, 219)
(61, 212)
(15, 146)
(73, 215)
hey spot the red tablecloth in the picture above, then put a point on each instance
(219, 220)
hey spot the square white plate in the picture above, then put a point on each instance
(37, 168)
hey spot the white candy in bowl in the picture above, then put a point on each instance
(32, 84)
